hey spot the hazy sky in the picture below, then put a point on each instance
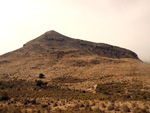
(124, 23)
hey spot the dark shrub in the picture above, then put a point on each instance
(83, 91)
(45, 83)
(41, 75)
(33, 101)
(44, 106)
(82, 105)
(39, 83)
(55, 104)
(4, 96)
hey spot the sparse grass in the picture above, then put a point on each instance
(110, 107)
(24, 89)
(123, 91)
(111, 91)
(27, 93)
(67, 79)
(125, 108)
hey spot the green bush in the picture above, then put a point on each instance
(41, 75)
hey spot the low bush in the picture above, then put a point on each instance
(39, 83)
(4, 96)
(41, 75)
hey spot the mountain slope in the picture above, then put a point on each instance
(58, 56)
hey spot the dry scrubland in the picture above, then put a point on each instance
(54, 73)
(104, 85)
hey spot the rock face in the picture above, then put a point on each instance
(53, 41)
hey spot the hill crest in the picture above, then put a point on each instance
(53, 41)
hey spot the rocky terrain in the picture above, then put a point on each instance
(55, 73)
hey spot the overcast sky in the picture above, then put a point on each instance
(124, 23)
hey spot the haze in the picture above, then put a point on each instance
(123, 23)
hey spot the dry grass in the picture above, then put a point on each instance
(25, 96)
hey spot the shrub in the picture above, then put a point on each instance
(44, 106)
(39, 83)
(55, 104)
(26, 101)
(4, 96)
(41, 75)
(82, 105)
(45, 83)
(33, 101)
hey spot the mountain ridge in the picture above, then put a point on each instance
(52, 41)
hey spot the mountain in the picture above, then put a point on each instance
(53, 41)
(78, 76)
(57, 55)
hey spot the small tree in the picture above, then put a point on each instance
(41, 75)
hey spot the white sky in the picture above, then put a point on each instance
(124, 23)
